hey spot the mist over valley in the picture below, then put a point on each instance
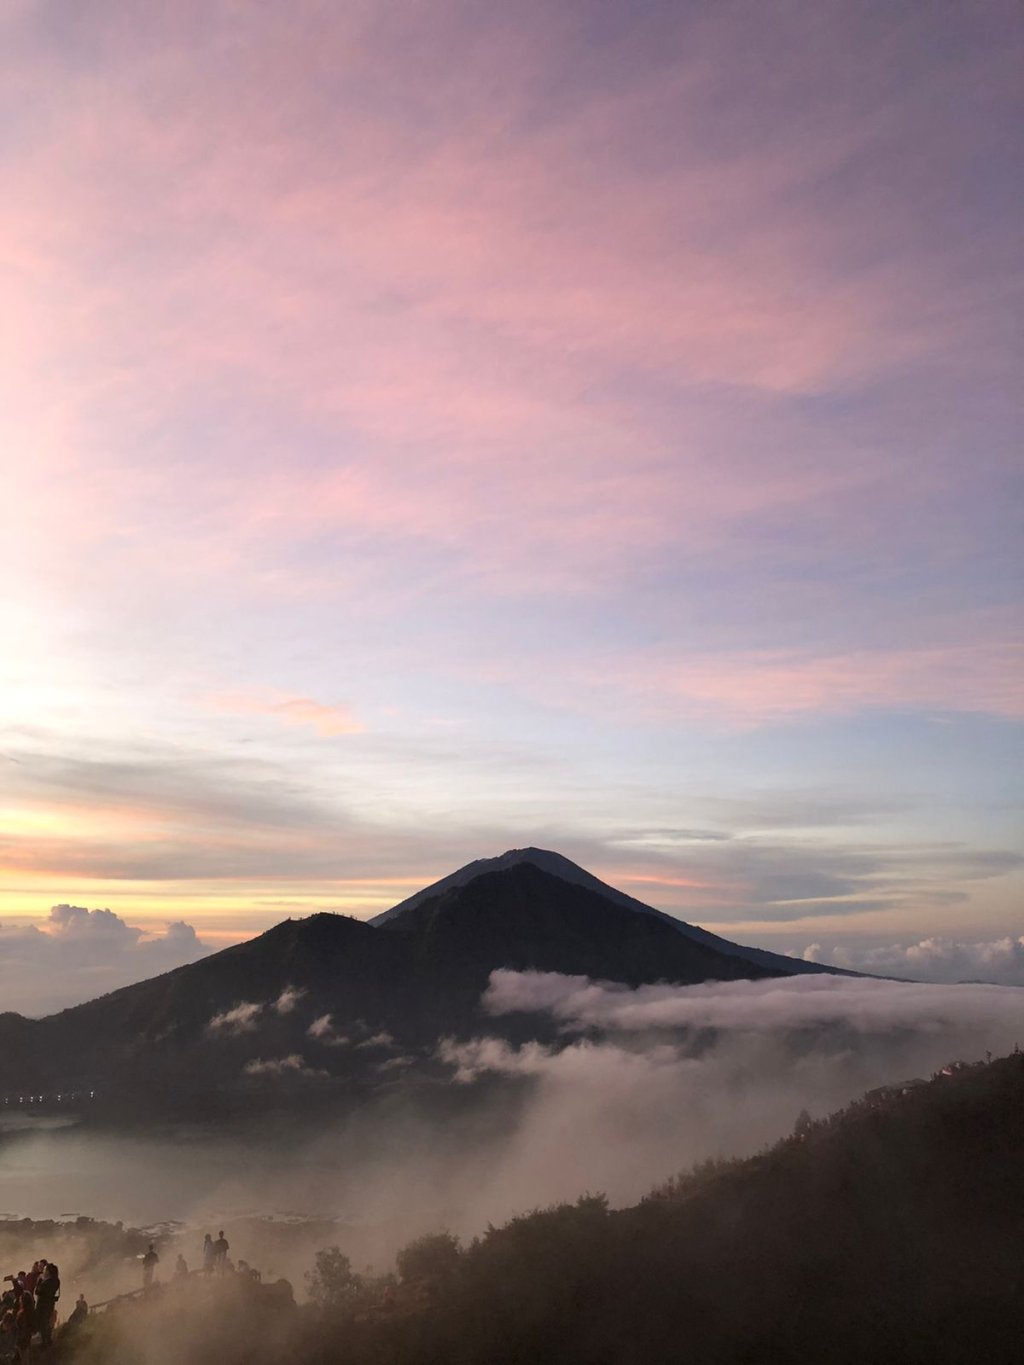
(510, 1039)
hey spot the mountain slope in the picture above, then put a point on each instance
(558, 866)
(164, 1033)
(527, 919)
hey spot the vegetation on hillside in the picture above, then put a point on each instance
(889, 1232)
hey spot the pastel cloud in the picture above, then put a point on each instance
(76, 953)
(566, 382)
(181, 822)
(982, 673)
(485, 280)
(328, 720)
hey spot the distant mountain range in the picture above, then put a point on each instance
(350, 1005)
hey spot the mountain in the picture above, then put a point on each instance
(526, 918)
(336, 1006)
(558, 866)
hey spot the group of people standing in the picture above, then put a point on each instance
(28, 1303)
(28, 1308)
(214, 1257)
(215, 1254)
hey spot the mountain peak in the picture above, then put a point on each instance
(557, 865)
(547, 860)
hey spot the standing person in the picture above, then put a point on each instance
(220, 1252)
(25, 1325)
(149, 1264)
(9, 1299)
(47, 1294)
(208, 1255)
(180, 1268)
(8, 1335)
(79, 1313)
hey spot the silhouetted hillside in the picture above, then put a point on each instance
(890, 1232)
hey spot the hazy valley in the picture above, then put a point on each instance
(516, 1037)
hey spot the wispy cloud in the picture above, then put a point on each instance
(586, 391)
(381, 1039)
(322, 1029)
(241, 1018)
(288, 999)
(756, 688)
(328, 720)
(278, 1067)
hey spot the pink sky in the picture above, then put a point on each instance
(431, 431)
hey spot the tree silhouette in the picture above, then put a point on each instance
(430, 1258)
(332, 1281)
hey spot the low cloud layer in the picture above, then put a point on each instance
(649, 1080)
(641, 1084)
(77, 954)
(999, 960)
(860, 1005)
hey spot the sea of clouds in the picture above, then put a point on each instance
(637, 1084)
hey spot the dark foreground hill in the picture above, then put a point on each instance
(336, 1006)
(890, 1233)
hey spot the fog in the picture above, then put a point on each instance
(644, 1083)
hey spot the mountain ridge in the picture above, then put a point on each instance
(349, 1004)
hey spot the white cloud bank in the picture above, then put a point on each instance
(77, 954)
(647, 1081)
(785, 1004)
(1000, 960)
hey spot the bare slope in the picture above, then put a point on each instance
(558, 866)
